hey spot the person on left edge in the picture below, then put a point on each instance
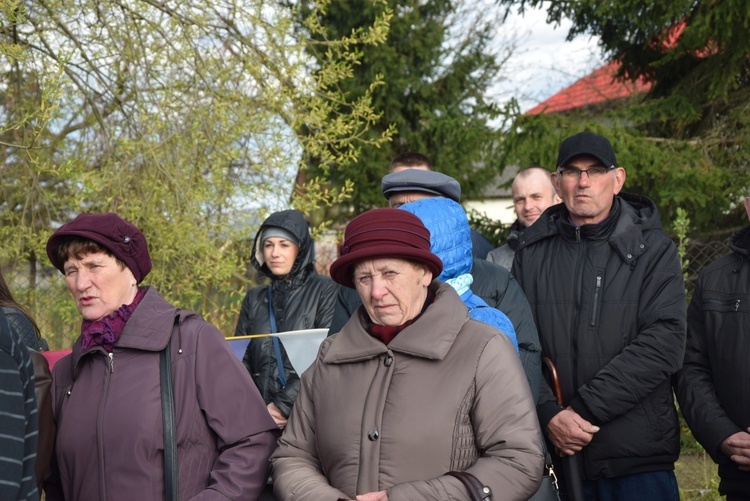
(107, 395)
(410, 389)
(18, 417)
(23, 325)
(21, 321)
(300, 298)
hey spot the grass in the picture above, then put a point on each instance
(697, 477)
(697, 474)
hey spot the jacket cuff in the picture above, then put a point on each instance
(579, 406)
(546, 411)
(712, 440)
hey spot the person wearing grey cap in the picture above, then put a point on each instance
(410, 185)
(606, 287)
(491, 282)
(297, 298)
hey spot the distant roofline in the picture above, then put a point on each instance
(603, 85)
(599, 86)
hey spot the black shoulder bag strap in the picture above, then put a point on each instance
(168, 418)
(477, 491)
(281, 378)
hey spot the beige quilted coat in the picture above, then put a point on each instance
(448, 393)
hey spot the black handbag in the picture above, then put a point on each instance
(548, 490)
(477, 490)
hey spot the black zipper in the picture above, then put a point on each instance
(597, 298)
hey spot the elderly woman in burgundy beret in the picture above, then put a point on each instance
(107, 396)
(411, 391)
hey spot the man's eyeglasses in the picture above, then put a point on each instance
(570, 173)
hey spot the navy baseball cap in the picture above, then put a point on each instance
(587, 143)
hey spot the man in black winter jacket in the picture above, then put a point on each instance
(713, 386)
(606, 288)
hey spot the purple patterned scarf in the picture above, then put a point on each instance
(106, 331)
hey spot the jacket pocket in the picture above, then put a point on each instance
(661, 413)
(724, 305)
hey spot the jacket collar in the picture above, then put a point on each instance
(431, 336)
(623, 228)
(148, 328)
(514, 234)
(740, 242)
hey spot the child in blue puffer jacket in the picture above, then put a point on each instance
(450, 240)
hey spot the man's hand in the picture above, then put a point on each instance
(277, 415)
(737, 447)
(569, 432)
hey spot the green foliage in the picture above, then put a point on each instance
(681, 225)
(492, 229)
(180, 117)
(432, 75)
(684, 143)
(697, 475)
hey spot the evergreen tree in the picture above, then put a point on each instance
(432, 78)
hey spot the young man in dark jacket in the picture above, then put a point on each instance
(606, 288)
(713, 386)
(532, 192)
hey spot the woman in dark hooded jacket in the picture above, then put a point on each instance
(301, 299)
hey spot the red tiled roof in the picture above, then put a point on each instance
(597, 87)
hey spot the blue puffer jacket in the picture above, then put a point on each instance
(451, 242)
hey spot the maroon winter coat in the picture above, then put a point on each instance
(110, 445)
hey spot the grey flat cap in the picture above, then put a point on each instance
(427, 181)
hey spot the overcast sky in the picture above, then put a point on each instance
(544, 62)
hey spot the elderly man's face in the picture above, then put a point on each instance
(393, 290)
(404, 197)
(588, 198)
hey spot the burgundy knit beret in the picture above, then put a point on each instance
(383, 233)
(120, 237)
